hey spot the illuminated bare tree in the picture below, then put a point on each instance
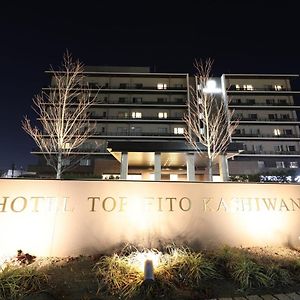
(208, 118)
(62, 111)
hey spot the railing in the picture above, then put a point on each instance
(265, 119)
(260, 104)
(265, 135)
(233, 88)
(124, 134)
(129, 118)
(271, 152)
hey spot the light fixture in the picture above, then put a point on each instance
(148, 270)
(211, 87)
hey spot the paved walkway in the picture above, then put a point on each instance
(290, 296)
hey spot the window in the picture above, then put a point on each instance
(261, 164)
(279, 164)
(66, 146)
(277, 132)
(278, 148)
(138, 85)
(293, 164)
(136, 100)
(122, 100)
(248, 87)
(173, 177)
(178, 130)
(85, 162)
(162, 86)
(270, 101)
(162, 100)
(122, 115)
(282, 101)
(253, 116)
(250, 101)
(136, 115)
(162, 115)
(178, 85)
(236, 101)
(237, 87)
(291, 148)
(277, 87)
(65, 162)
(123, 85)
(288, 132)
(285, 116)
(272, 116)
(162, 130)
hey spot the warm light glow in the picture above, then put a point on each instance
(263, 226)
(211, 87)
(138, 258)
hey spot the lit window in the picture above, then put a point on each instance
(237, 87)
(278, 87)
(293, 164)
(173, 177)
(279, 164)
(162, 115)
(66, 146)
(134, 177)
(178, 130)
(136, 115)
(211, 87)
(248, 87)
(277, 132)
(162, 86)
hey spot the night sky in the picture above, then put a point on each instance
(241, 37)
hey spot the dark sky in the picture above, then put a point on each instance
(241, 36)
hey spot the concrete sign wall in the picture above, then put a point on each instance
(61, 218)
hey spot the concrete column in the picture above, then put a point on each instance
(223, 167)
(124, 165)
(157, 166)
(190, 166)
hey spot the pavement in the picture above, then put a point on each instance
(288, 296)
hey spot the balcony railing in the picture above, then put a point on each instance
(136, 133)
(265, 119)
(242, 89)
(271, 152)
(265, 135)
(233, 103)
(129, 118)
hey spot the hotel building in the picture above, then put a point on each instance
(139, 125)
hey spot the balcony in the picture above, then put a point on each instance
(271, 153)
(131, 119)
(137, 134)
(253, 119)
(276, 105)
(268, 136)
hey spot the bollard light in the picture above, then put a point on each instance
(148, 270)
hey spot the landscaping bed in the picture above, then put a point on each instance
(180, 274)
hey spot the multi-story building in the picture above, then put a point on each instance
(139, 121)
(268, 123)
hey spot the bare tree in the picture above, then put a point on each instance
(62, 111)
(208, 118)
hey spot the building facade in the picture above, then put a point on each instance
(139, 122)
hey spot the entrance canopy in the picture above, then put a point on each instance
(173, 154)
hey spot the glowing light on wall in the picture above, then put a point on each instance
(211, 87)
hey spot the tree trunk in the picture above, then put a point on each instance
(58, 169)
(210, 175)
